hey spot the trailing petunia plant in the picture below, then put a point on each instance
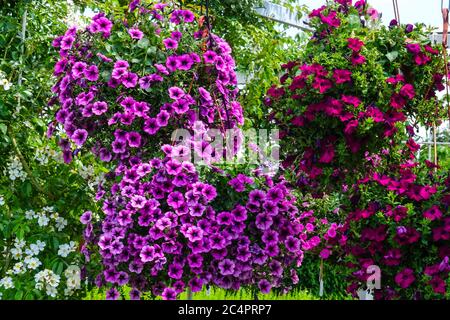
(353, 90)
(350, 108)
(125, 86)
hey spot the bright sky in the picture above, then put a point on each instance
(411, 11)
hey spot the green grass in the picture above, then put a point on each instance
(219, 294)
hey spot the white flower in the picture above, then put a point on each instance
(48, 209)
(2, 200)
(7, 283)
(61, 223)
(15, 171)
(43, 220)
(51, 291)
(19, 268)
(40, 244)
(49, 279)
(16, 253)
(30, 214)
(33, 263)
(65, 249)
(19, 243)
(54, 215)
(53, 281)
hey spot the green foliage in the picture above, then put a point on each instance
(35, 179)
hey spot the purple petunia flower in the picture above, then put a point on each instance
(169, 294)
(135, 294)
(79, 137)
(176, 35)
(264, 286)
(112, 294)
(134, 139)
(151, 126)
(86, 217)
(99, 108)
(78, 69)
(176, 93)
(226, 267)
(135, 33)
(172, 63)
(130, 80)
(194, 234)
(185, 62)
(91, 73)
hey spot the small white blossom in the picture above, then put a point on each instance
(48, 209)
(2, 200)
(7, 283)
(40, 244)
(16, 253)
(30, 214)
(61, 223)
(15, 171)
(65, 249)
(43, 220)
(19, 243)
(19, 268)
(32, 263)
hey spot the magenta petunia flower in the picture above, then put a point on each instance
(210, 57)
(169, 294)
(355, 44)
(172, 63)
(176, 93)
(405, 278)
(135, 33)
(185, 62)
(342, 76)
(170, 44)
(413, 48)
(162, 119)
(434, 213)
(67, 42)
(176, 35)
(151, 126)
(358, 59)
(408, 91)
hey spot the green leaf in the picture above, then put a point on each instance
(143, 43)
(3, 128)
(392, 56)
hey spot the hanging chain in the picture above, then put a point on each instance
(396, 11)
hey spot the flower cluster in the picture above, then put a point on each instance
(345, 108)
(117, 104)
(38, 246)
(162, 233)
(333, 109)
(15, 170)
(45, 216)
